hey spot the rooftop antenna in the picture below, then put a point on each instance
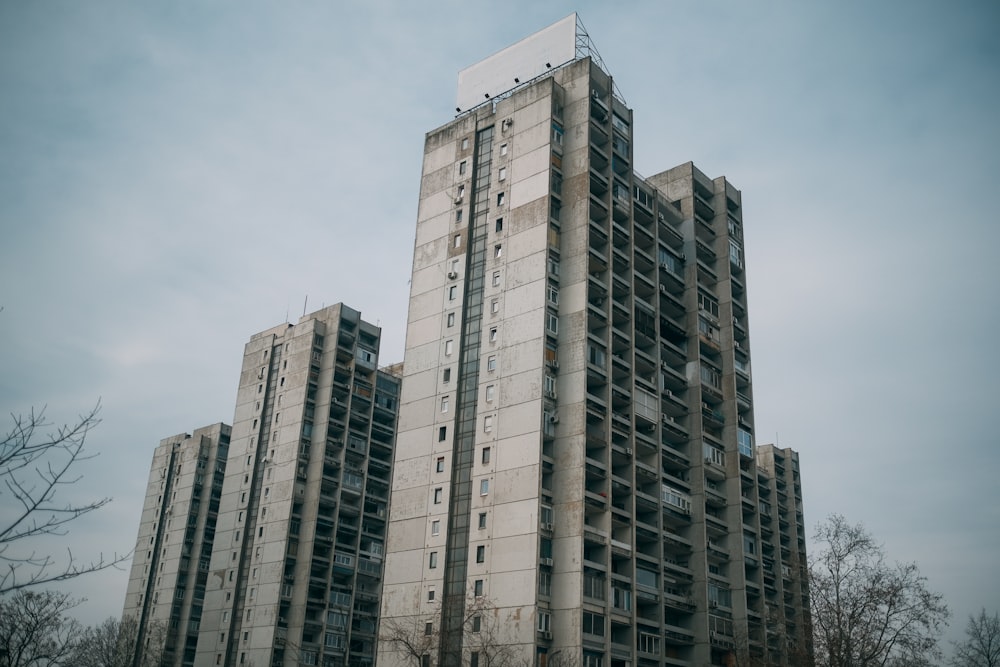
(304, 305)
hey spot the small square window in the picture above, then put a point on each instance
(477, 623)
(488, 423)
(496, 279)
(480, 554)
(477, 588)
(501, 197)
(438, 494)
(465, 143)
(495, 306)
(491, 390)
(503, 149)
(486, 455)
(452, 292)
(502, 175)
(428, 629)
(442, 433)
(430, 595)
(439, 464)
(432, 560)
(482, 520)
(451, 319)
(491, 363)
(493, 334)
(498, 250)
(456, 240)
(499, 225)
(446, 375)
(458, 215)
(435, 527)
(462, 167)
(448, 346)
(484, 487)
(444, 404)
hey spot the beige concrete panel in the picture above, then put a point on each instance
(424, 331)
(517, 518)
(524, 270)
(537, 112)
(519, 552)
(411, 473)
(520, 419)
(535, 182)
(417, 414)
(403, 567)
(433, 228)
(524, 298)
(434, 251)
(522, 357)
(440, 157)
(523, 329)
(406, 535)
(521, 387)
(533, 214)
(409, 503)
(516, 453)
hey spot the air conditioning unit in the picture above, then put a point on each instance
(458, 199)
(546, 634)
(628, 451)
(545, 561)
(546, 526)
(714, 605)
(554, 418)
(452, 275)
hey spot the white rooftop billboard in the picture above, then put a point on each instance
(532, 56)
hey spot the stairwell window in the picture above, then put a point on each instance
(502, 175)
(498, 251)
(438, 494)
(484, 487)
(501, 197)
(432, 560)
(481, 554)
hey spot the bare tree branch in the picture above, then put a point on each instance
(35, 464)
(981, 647)
(34, 629)
(866, 612)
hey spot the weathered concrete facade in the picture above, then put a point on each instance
(296, 569)
(166, 588)
(575, 467)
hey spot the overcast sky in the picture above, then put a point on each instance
(177, 176)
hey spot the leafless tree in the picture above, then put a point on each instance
(35, 631)
(36, 462)
(115, 643)
(420, 636)
(867, 612)
(981, 647)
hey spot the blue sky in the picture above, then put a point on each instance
(175, 177)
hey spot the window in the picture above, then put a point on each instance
(457, 240)
(593, 624)
(553, 265)
(444, 404)
(544, 582)
(482, 520)
(553, 295)
(552, 322)
(435, 527)
(501, 197)
(491, 363)
(439, 464)
(550, 385)
(491, 390)
(502, 175)
(544, 621)
(708, 304)
(474, 659)
(498, 250)
(481, 553)
(499, 225)
(744, 441)
(488, 423)
(477, 623)
(432, 560)
(503, 149)
(458, 216)
(462, 167)
(430, 595)
(484, 487)
(495, 306)
(425, 660)
(477, 588)
(438, 493)
(461, 192)
(452, 292)
(448, 346)
(557, 135)
(442, 433)
(593, 659)
(446, 375)
(486, 455)
(450, 320)
(493, 334)
(465, 143)
(496, 279)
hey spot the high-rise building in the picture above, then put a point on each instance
(166, 588)
(262, 545)
(296, 569)
(575, 480)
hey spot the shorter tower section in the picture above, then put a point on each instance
(166, 588)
